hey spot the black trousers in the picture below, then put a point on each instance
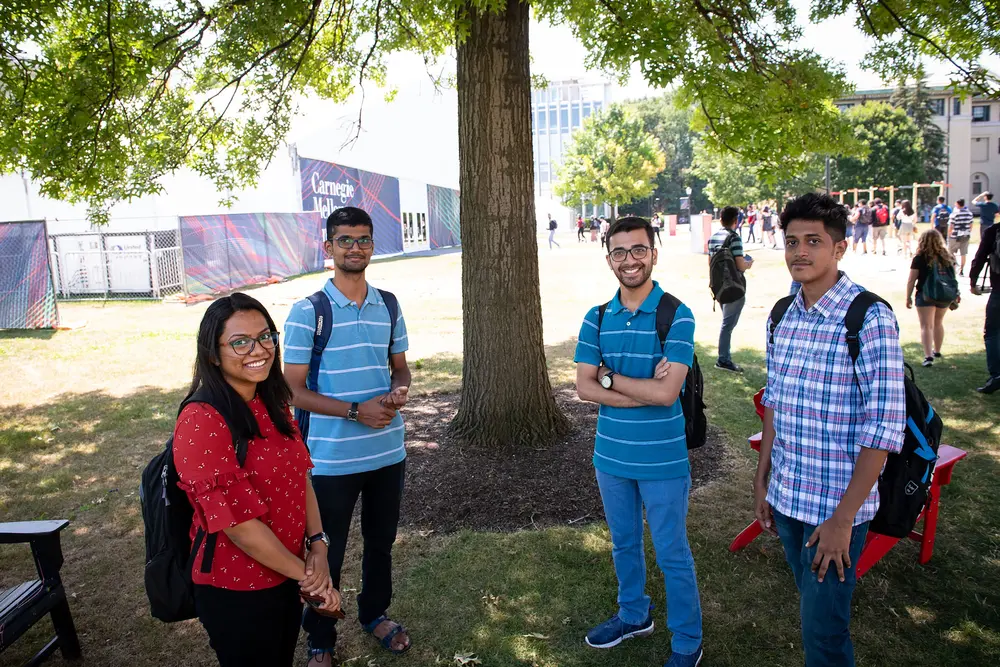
(381, 491)
(251, 628)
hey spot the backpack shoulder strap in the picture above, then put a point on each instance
(392, 305)
(777, 312)
(855, 319)
(665, 312)
(600, 320)
(324, 322)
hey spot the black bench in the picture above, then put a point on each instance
(24, 605)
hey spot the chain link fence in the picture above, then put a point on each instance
(117, 265)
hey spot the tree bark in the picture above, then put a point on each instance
(506, 397)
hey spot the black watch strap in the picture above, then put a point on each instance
(352, 412)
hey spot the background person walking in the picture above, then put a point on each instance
(959, 232)
(552, 232)
(907, 220)
(730, 311)
(931, 257)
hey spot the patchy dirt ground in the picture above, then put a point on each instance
(450, 486)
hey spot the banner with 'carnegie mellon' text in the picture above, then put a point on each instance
(327, 186)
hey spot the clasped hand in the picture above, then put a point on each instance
(379, 412)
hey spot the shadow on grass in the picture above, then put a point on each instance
(524, 598)
(500, 590)
(36, 334)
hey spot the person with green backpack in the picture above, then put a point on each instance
(932, 272)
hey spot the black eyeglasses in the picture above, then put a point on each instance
(347, 242)
(244, 345)
(637, 251)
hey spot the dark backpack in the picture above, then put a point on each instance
(167, 515)
(324, 315)
(904, 483)
(724, 279)
(864, 216)
(692, 396)
(940, 286)
(941, 221)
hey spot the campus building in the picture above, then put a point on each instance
(972, 137)
(556, 112)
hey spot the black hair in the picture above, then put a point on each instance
(821, 208)
(960, 202)
(940, 200)
(274, 391)
(630, 223)
(863, 202)
(906, 206)
(989, 196)
(352, 216)
(729, 215)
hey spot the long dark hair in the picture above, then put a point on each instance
(273, 391)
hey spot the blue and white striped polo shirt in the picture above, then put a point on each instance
(354, 368)
(646, 442)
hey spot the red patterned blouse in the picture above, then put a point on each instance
(271, 487)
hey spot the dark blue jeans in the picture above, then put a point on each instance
(825, 608)
(991, 334)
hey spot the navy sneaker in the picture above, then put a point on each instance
(614, 631)
(685, 660)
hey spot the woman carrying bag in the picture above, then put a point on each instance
(932, 272)
(260, 547)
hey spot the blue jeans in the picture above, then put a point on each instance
(666, 504)
(730, 316)
(825, 608)
(991, 333)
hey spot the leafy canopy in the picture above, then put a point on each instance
(612, 159)
(99, 99)
(894, 148)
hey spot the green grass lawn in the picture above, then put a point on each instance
(82, 411)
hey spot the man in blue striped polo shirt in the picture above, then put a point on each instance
(355, 432)
(641, 451)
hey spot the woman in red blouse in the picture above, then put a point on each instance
(269, 549)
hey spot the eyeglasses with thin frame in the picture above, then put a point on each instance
(637, 251)
(245, 345)
(347, 242)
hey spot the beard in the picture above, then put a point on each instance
(351, 265)
(637, 279)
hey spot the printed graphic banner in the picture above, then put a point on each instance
(226, 252)
(27, 297)
(443, 217)
(327, 186)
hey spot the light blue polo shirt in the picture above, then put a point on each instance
(354, 368)
(647, 442)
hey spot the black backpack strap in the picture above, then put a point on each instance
(600, 321)
(855, 319)
(665, 312)
(241, 443)
(777, 312)
(392, 305)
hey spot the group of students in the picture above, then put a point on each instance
(283, 515)
(750, 216)
(825, 440)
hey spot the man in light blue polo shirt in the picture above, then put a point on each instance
(641, 451)
(355, 433)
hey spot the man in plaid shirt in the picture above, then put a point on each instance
(828, 426)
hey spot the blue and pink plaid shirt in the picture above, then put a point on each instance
(823, 416)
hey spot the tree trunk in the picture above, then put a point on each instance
(506, 394)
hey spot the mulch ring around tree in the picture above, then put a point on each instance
(451, 486)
